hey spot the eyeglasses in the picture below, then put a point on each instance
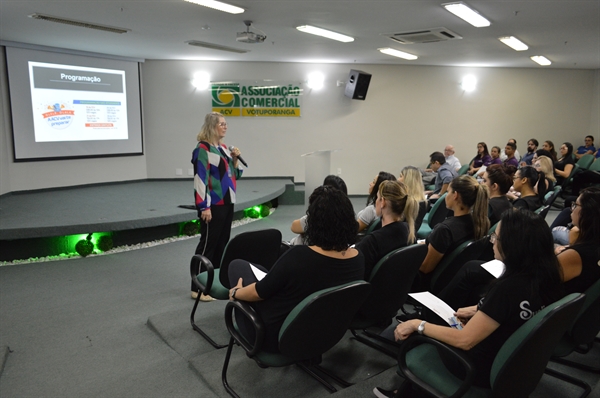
(222, 124)
(493, 238)
(574, 205)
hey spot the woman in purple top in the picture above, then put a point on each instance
(482, 158)
(496, 155)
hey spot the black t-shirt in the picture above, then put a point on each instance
(298, 273)
(496, 207)
(560, 165)
(590, 268)
(450, 233)
(379, 243)
(510, 302)
(528, 202)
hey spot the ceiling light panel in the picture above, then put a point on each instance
(217, 5)
(325, 33)
(514, 43)
(540, 59)
(397, 53)
(462, 11)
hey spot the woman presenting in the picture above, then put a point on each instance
(215, 174)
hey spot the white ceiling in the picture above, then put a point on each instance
(565, 31)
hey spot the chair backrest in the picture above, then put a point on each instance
(595, 166)
(585, 161)
(260, 247)
(376, 224)
(587, 323)
(421, 214)
(552, 195)
(543, 211)
(438, 212)
(520, 363)
(320, 321)
(463, 169)
(390, 281)
(452, 262)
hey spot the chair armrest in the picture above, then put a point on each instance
(245, 309)
(200, 263)
(415, 340)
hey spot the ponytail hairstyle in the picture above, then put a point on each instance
(476, 197)
(382, 176)
(401, 203)
(414, 182)
(502, 175)
(533, 176)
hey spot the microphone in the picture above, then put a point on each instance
(231, 148)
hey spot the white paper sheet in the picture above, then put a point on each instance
(494, 267)
(257, 272)
(435, 304)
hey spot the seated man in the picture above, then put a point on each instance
(587, 149)
(510, 150)
(527, 159)
(517, 155)
(445, 175)
(450, 158)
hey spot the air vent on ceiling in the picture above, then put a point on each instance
(424, 36)
(215, 46)
(79, 23)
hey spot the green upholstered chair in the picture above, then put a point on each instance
(312, 328)
(580, 334)
(543, 211)
(390, 280)
(260, 247)
(516, 370)
(595, 166)
(436, 215)
(552, 195)
(463, 170)
(585, 161)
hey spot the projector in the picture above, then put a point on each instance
(250, 37)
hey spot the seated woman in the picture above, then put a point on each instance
(549, 147)
(482, 158)
(564, 165)
(544, 164)
(469, 201)
(299, 225)
(530, 281)
(327, 261)
(496, 151)
(393, 205)
(525, 181)
(580, 262)
(412, 179)
(498, 179)
(367, 215)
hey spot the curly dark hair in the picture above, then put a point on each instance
(330, 222)
(336, 182)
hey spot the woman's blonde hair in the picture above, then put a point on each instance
(414, 182)
(401, 204)
(476, 197)
(209, 132)
(547, 167)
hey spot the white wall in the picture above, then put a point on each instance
(409, 112)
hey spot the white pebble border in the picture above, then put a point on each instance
(126, 248)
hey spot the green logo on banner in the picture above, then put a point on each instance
(226, 95)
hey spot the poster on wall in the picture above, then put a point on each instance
(251, 100)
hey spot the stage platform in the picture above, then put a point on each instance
(150, 207)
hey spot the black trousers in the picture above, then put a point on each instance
(215, 234)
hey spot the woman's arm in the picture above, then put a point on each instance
(432, 259)
(566, 172)
(570, 262)
(247, 293)
(478, 328)
(297, 227)
(361, 225)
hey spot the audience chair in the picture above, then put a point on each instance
(390, 280)
(312, 328)
(585, 161)
(421, 215)
(595, 166)
(517, 368)
(260, 247)
(463, 170)
(436, 215)
(552, 195)
(581, 333)
(452, 262)
(543, 211)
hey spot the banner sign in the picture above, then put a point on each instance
(238, 99)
